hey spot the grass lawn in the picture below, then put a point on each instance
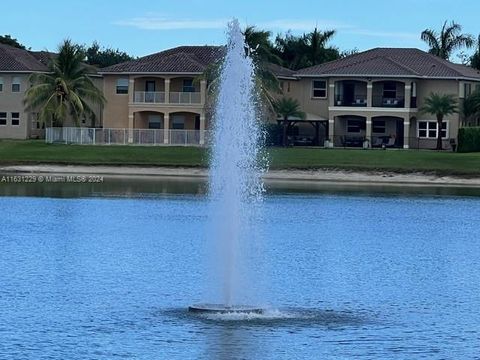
(36, 151)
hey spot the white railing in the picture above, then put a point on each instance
(114, 136)
(185, 98)
(149, 97)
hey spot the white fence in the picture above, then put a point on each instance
(93, 136)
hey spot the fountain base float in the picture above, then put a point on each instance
(225, 309)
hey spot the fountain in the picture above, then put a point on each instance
(236, 187)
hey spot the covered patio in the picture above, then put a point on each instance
(311, 131)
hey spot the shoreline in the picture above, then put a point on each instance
(317, 176)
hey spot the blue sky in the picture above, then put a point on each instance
(142, 27)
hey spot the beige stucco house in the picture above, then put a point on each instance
(376, 96)
(16, 66)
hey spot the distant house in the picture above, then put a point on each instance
(16, 66)
(161, 91)
(376, 96)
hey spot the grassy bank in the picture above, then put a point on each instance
(36, 152)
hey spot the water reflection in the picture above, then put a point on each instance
(133, 186)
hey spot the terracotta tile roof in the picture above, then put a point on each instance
(188, 59)
(394, 62)
(13, 59)
(280, 71)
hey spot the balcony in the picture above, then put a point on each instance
(185, 98)
(388, 102)
(354, 101)
(156, 97)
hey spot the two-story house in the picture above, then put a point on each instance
(160, 91)
(377, 95)
(16, 65)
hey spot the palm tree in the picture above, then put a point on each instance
(449, 39)
(475, 58)
(440, 105)
(286, 108)
(259, 43)
(306, 50)
(66, 90)
(471, 107)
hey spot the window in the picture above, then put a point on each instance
(428, 129)
(390, 90)
(35, 121)
(355, 126)
(3, 118)
(16, 84)
(188, 85)
(122, 86)
(467, 88)
(1, 83)
(319, 88)
(378, 126)
(178, 123)
(15, 118)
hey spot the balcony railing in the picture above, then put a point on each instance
(149, 97)
(185, 98)
(389, 102)
(357, 101)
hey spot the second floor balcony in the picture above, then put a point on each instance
(158, 90)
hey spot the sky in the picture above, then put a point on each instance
(142, 27)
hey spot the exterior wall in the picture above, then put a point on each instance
(13, 102)
(301, 90)
(424, 89)
(115, 112)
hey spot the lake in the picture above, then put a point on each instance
(107, 271)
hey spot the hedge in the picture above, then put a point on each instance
(469, 139)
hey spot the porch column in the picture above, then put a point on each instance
(203, 92)
(331, 130)
(331, 93)
(130, 127)
(408, 95)
(368, 130)
(406, 133)
(166, 128)
(131, 90)
(167, 91)
(202, 128)
(369, 94)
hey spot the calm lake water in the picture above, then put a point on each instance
(107, 272)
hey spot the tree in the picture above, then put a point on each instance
(103, 57)
(471, 108)
(449, 39)
(287, 108)
(8, 40)
(260, 45)
(310, 49)
(440, 105)
(66, 90)
(475, 58)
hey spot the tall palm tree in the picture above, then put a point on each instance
(287, 108)
(259, 43)
(310, 49)
(66, 90)
(440, 105)
(449, 39)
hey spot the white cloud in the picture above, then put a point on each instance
(162, 22)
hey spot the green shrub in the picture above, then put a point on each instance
(469, 139)
(273, 134)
